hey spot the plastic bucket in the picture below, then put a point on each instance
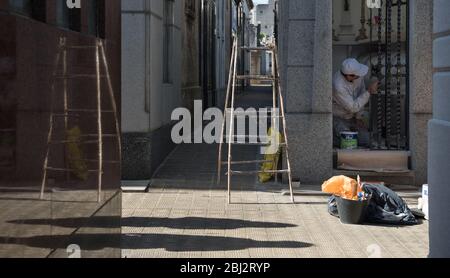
(349, 140)
(352, 212)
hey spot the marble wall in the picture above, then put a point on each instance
(439, 135)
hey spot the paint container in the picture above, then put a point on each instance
(352, 212)
(349, 140)
(425, 198)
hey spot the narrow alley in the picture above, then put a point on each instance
(185, 214)
(112, 114)
(195, 165)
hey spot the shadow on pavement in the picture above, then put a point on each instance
(174, 243)
(188, 223)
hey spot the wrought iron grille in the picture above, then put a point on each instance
(390, 64)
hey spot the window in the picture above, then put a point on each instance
(96, 22)
(68, 18)
(168, 40)
(35, 9)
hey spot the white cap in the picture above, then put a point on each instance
(353, 67)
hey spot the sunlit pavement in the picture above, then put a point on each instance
(192, 223)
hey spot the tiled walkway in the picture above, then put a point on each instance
(199, 223)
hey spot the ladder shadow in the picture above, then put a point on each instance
(172, 243)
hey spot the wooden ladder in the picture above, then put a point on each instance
(278, 105)
(97, 138)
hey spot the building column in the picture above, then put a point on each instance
(306, 67)
(439, 135)
(421, 90)
(137, 140)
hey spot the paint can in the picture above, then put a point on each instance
(425, 204)
(349, 140)
(351, 211)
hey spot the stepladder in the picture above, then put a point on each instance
(65, 137)
(272, 142)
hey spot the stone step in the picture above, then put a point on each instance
(372, 161)
(256, 48)
(406, 178)
(134, 186)
(390, 167)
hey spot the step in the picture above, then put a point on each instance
(68, 170)
(76, 76)
(234, 173)
(103, 135)
(134, 185)
(372, 160)
(87, 142)
(391, 167)
(89, 111)
(246, 162)
(264, 138)
(257, 116)
(389, 178)
(255, 144)
(256, 48)
(96, 160)
(69, 47)
(255, 77)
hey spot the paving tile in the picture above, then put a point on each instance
(265, 229)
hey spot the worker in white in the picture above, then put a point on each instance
(350, 96)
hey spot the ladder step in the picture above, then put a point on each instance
(268, 115)
(247, 136)
(68, 170)
(96, 135)
(255, 144)
(55, 142)
(65, 115)
(255, 77)
(96, 160)
(259, 172)
(256, 48)
(268, 108)
(246, 162)
(75, 76)
(69, 115)
(80, 47)
(89, 111)
(257, 116)
(261, 139)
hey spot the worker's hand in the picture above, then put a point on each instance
(373, 88)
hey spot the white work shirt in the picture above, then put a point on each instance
(349, 98)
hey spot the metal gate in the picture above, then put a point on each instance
(389, 61)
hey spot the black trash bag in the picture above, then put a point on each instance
(385, 207)
(332, 206)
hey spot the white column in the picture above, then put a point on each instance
(439, 132)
